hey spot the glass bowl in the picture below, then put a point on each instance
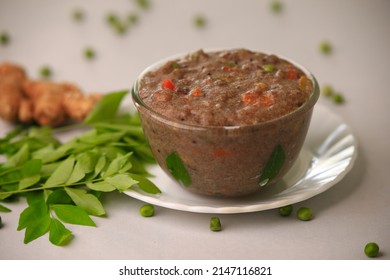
(226, 161)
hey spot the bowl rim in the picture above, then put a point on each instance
(307, 106)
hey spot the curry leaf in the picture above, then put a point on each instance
(100, 165)
(59, 234)
(273, 166)
(58, 196)
(4, 209)
(106, 108)
(29, 181)
(121, 182)
(76, 175)
(20, 157)
(118, 164)
(177, 169)
(87, 161)
(145, 184)
(31, 167)
(61, 174)
(72, 215)
(101, 186)
(63, 181)
(31, 214)
(86, 201)
(37, 227)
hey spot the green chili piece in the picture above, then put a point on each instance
(215, 224)
(147, 210)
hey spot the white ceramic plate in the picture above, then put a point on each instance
(328, 154)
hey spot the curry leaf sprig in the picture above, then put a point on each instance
(63, 182)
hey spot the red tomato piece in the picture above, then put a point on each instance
(168, 84)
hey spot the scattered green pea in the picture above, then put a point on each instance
(78, 14)
(143, 4)
(276, 6)
(304, 214)
(215, 224)
(269, 67)
(4, 38)
(147, 210)
(112, 19)
(338, 98)
(120, 28)
(45, 72)
(200, 21)
(371, 249)
(117, 24)
(325, 47)
(285, 211)
(89, 53)
(327, 90)
(132, 18)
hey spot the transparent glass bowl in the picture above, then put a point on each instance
(226, 161)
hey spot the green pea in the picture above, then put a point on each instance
(132, 18)
(371, 249)
(276, 6)
(120, 28)
(89, 53)
(269, 67)
(338, 98)
(325, 47)
(78, 15)
(285, 211)
(200, 21)
(304, 214)
(4, 38)
(327, 90)
(143, 4)
(45, 72)
(147, 210)
(215, 224)
(112, 19)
